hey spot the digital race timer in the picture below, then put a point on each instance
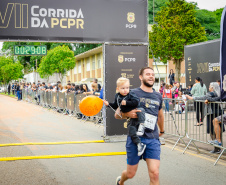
(30, 50)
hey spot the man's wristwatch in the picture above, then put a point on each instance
(162, 132)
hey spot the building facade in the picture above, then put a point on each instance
(89, 65)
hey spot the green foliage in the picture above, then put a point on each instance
(9, 70)
(176, 26)
(158, 4)
(211, 22)
(81, 48)
(58, 60)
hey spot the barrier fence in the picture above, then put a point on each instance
(67, 103)
(181, 116)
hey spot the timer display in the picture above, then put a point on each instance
(30, 50)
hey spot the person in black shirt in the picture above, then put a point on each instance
(50, 87)
(171, 77)
(127, 101)
(151, 102)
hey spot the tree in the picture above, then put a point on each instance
(211, 22)
(81, 48)
(176, 27)
(158, 4)
(9, 70)
(58, 60)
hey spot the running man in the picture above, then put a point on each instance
(151, 101)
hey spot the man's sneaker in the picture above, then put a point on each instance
(216, 151)
(141, 129)
(117, 180)
(141, 147)
(215, 142)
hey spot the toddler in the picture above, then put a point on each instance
(127, 101)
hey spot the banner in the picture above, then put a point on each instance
(74, 21)
(223, 55)
(121, 61)
(54, 99)
(70, 101)
(62, 102)
(78, 99)
(202, 60)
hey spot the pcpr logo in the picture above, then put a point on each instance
(131, 19)
(121, 59)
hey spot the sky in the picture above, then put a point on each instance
(209, 4)
(202, 4)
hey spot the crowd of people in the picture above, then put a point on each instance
(17, 88)
(202, 105)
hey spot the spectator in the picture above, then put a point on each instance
(44, 87)
(18, 91)
(86, 89)
(81, 90)
(69, 88)
(98, 85)
(219, 82)
(171, 77)
(38, 83)
(54, 88)
(73, 87)
(181, 103)
(59, 88)
(9, 88)
(174, 90)
(64, 89)
(95, 89)
(161, 89)
(167, 93)
(13, 88)
(50, 87)
(199, 90)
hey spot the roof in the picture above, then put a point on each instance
(89, 53)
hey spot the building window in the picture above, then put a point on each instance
(79, 68)
(93, 64)
(75, 69)
(99, 61)
(88, 65)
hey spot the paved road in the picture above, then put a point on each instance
(23, 122)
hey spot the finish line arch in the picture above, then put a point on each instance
(120, 25)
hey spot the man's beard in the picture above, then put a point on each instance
(147, 84)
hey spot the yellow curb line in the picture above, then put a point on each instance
(197, 155)
(52, 143)
(61, 156)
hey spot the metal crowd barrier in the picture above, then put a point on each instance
(181, 122)
(61, 102)
(174, 118)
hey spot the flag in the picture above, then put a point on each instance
(223, 55)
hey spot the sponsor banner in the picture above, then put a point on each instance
(78, 99)
(54, 99)
(70, 101)
(48, 98)
(223, 55)
(62, 102)
(121, 61)
(202, 60)
(74, 21)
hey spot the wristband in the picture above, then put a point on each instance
(162, 132)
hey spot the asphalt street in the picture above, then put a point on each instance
(22, 122)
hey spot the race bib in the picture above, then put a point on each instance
(150, 121)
